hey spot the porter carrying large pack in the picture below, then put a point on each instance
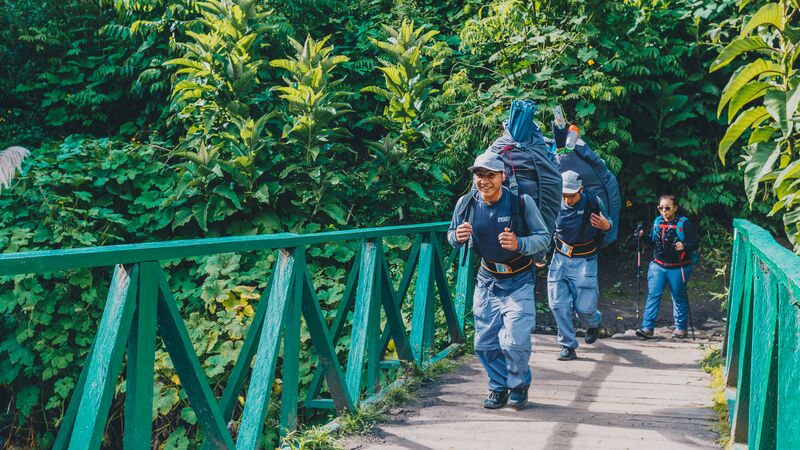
(596, 178)
(529, 169)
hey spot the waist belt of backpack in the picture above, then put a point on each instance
(511, 267)
(576, 250)
(668, 264)
(673, 265)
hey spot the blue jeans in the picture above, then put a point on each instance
(657, 279)
(505, 314)
(572, 291)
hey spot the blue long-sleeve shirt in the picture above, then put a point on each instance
(536, 242)
(573, 224)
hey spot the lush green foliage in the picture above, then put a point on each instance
(259, 116)
(769, 86)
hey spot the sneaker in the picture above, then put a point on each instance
(591, 335)
(518, 398)
(567, 354)
(644, 333)
(496, 399)
(679, 334)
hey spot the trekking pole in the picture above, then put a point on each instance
(638, 233)
(689, 310)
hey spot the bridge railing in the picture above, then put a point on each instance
(140, 305)
(762, 346)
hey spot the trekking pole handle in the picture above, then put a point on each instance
(639, 232)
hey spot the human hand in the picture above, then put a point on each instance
(600, 222)
(679, 246)
(463, 232)
(508, 240)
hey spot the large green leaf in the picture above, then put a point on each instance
(736, 48)
(790, 172)
(762, 133)
(748, 119)
(792, 33)
(757, 163)
(791, 222)
(27, 398)
(749, 92)
(335, 211)
(775, 101)
(755, 69)
(769, 14)
(418, 189)
(792, 101)
(200, 211)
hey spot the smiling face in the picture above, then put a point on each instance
(489, 183)
(667, 208)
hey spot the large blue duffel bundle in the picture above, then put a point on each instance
(529, 168)
(596, 177)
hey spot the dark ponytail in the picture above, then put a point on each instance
(670, 197)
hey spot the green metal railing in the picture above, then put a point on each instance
(140, 305)
(762, 346)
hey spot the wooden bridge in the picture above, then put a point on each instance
(620, 394)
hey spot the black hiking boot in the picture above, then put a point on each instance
(518, 398)
(591, 335)
(644, 333)
(496, 399)
(567, 354)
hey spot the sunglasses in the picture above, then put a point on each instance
(664, 208)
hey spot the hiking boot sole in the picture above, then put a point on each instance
(643, 335)
(518, 406)
(497, 406)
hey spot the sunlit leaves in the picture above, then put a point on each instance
(216, 77)
(750, 118)
(758, 162)
(769, 14)
(408, 74)
(737, 47)
(756, 69)
(772, 147)
(314, 102)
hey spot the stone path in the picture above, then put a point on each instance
(619, 394)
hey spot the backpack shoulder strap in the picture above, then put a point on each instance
(656, 223)
(595, 204)
(679, 228)
(513, 184)
(600, 205)
(518, 215)
(590, 207)
(467, 207)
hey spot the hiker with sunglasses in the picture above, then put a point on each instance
(505, 230)
(572, 288)
(675, 244)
